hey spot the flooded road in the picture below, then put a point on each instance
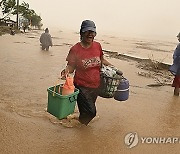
(25, 126)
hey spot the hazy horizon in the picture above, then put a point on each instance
(158, 18)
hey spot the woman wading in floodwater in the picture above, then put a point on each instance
(86, 58)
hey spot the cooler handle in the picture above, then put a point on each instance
(73, 100)
(54, 91)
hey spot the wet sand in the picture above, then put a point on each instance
(25, 126)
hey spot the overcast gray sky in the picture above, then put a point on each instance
(136, 17)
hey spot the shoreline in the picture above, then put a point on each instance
(135, 58)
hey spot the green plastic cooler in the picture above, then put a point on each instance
(61, 105)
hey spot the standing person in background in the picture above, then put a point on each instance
(46, 40)
(86, 58)
(25, 27)
(175, 68)
(12, 31)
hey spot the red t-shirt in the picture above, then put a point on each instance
(87, 63)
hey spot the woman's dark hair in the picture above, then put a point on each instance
(81, 33)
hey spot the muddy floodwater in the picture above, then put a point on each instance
(147, 123)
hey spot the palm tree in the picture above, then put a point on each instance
(8, 7)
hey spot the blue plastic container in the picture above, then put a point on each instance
(122, 92)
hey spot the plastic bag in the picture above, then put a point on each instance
(68, 87)
(108, 71)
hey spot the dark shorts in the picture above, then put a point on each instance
(86, 103)
(176, 82)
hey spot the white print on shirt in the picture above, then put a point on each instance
(92, 62)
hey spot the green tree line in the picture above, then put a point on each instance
(9, 7)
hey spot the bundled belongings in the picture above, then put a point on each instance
(110, 79)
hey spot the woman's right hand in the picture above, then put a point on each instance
(66, 71)
(63, 74)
